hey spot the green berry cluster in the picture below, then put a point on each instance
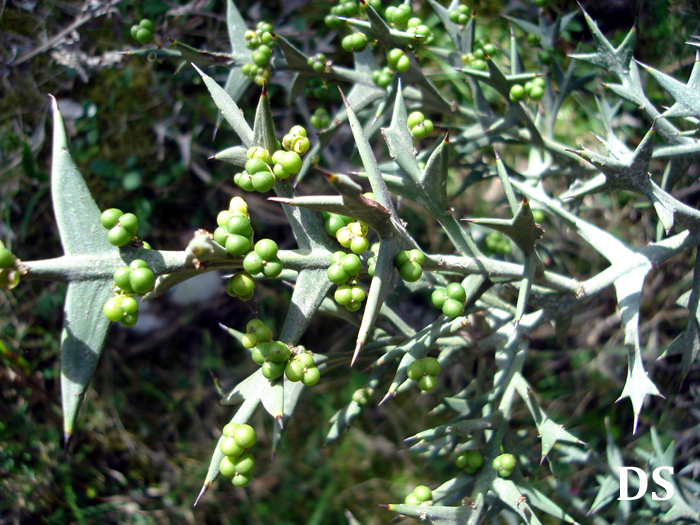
(301, 367)
(234, 231)
(376, 4)
(419, 126)
(498, 243)
(317, 63)
(372, 261)
(136, 279)
(344, 10)
(409, 263)
(143, 31)
(397, 60)
(296, 140)
(122, 226)
(320, 119)
(344, 267)
(356, 42)
(477, 59)
(238, 463)
(263, 259)
(417, 27)
(9, 268)
(241, 285)
(450, 300)
(316, 88)
(272, 356)
(354, 236)
(470, 461)
(259, 175)
(262, 41)
(504, 464)
(459, 15)
(362, 396)
(350, 296)
(533, 89)
(424, 372)
(399, 16)
(334, 222)
(382, 77)
(421, 495)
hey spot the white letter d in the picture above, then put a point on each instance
(624, 483)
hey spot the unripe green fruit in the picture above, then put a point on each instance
(237, 245)
(427, 383)
(294, 371)
(273, 268)
(361, 396)
(129, 320)
(403, 64)
(278, 352)
(229, 428)
(457, 292)
(311, 376)
(142, 280)
(239, 225)
(260, 59)
(240, 284)
(7, 259)
(431, 366)
(129, 306)
(351, 264)
(452, 308)
(249, 341)
(227, 468)
(411, 499)
(263, 181)
(415, 370)
(343, 295)
(414, 119)
(245, 436)
(437, 298)
(118, 236)
(259, 353)
(359, 244)
(423, 493)
(272, 370)
(253, 263)
(291, 162)
(267, 249)
(337, 274)
(229, 447)
(113, 309)
(411, 272)
(517, 92)
(244, 464)
(220, 235)
(489, 49)
(253, 166)
(241, 480)
(144, 36)
(471, 459)
(110, 218)
(536, 93)
(121, 279)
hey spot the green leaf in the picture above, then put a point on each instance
(232, 114)
(510, 494)
(434, 515)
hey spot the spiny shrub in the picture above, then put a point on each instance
(489, 111)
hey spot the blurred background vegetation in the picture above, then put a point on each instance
(141, 132)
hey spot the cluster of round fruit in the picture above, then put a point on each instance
(143, 31)
(241, 285)
(382, 77)
(344, 9)
(9, 271)
(397, 60)
(533, 89)
(354, 236)
(320, 119)
(409, 263)
(498, 243)
(419, 126)
(355, 43)
(262, 169)
(424, 372)
(459, 15)
(344, 271)
(417, 27)
(234, 231)
(317, 63)
(238, 463)
(263, 259)
(122, 226)
(421, 495)
(477, 59)
(504, 464)
(362, 396)
(450, 300)
(372, 261)
(470, 461)
(398, 16)
(135, 279)
(316, 87)
(276, 358)
(262, 41)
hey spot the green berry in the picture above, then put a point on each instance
(227, 468)
(452, 308)
(229, 428)
(457, 292)
(147, 24)
(142, 280)
(245, 436)
(253, 263)
(272, 370)
(273, 268)
(240, 284)
(411, 272)
(278, 352)
(343, 295)
(414, 119)
(427, 383)
(291, 162)
(118, 236)
(110, 218)
(311, 376)
(437, 298)
(129, 320)
(351, 264)
(403, 64)
(113, 309)
(536, 93)
(359, 244)
(337, 274)
(144, 36)
(431, 366)
(121, 279)
(423, 493)
(415, 370)
(241, 480)
(237, 245)
(229, 446)
(244, 464)
(263, 181)
(517, 92)
(411, 499)
(239, 225)
(294, 371)
(267, 249)
(489, 49)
